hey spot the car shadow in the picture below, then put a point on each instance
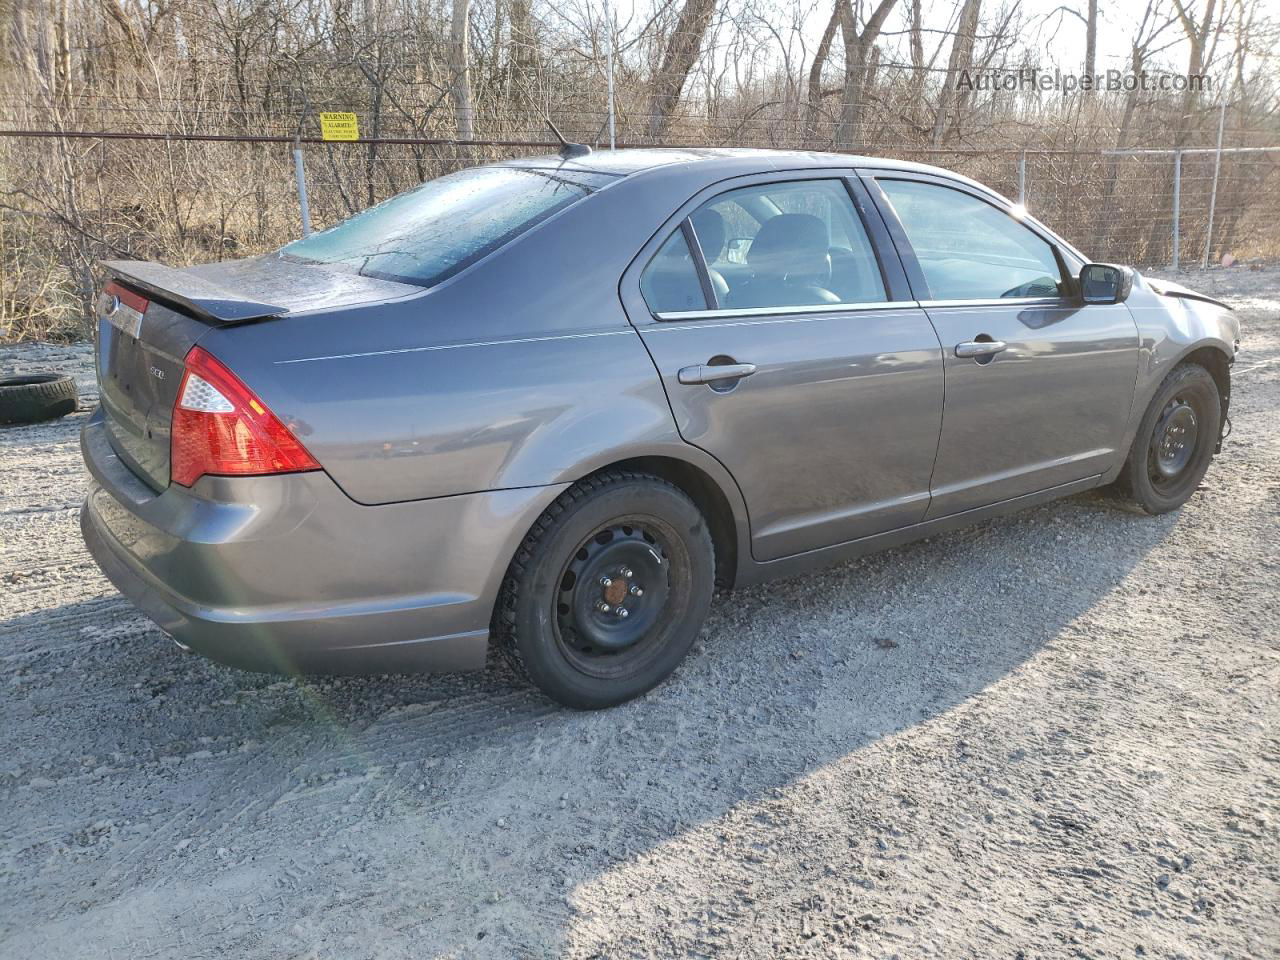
(461, 813)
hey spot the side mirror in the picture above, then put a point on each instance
(1105, 283)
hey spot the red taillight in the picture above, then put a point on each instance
(220, 428)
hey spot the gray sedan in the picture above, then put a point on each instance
(552, 403)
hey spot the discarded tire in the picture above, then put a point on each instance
(36, 396)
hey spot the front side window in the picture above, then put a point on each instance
(792, 244)
(969, 249)
(428, 234)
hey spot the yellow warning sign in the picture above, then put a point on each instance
(339, 126)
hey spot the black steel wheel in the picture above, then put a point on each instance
(613, 597)
(1175, 441)
(608, 591)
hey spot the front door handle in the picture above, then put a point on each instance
(980, 348)
(714, 373)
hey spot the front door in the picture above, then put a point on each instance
(770, 319)
(1038, 386)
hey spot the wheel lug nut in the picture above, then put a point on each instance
(603, 607)
(626, 573)
(636, 591)
(606, 582)
(623, 612)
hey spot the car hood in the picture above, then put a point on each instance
(1167, 288)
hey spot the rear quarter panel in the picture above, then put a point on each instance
(441, 420)
(522, 370)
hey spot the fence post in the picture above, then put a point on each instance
(1213, 194)
(1022, 178)
(608, 15)
(300, 175)
(1177, 203)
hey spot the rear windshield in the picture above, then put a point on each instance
(430, 233)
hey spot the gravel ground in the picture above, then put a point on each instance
(1049, 736)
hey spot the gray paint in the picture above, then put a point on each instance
(785, 432)
(287, 573)
(138, 383)
(1049, 409)
(448, 419)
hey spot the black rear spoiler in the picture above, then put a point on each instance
(191, 292)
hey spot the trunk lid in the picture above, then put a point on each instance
(140, 358)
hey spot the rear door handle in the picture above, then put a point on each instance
(980, 348)
(709, 373)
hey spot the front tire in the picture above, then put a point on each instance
(608, 591)
(1174, 443)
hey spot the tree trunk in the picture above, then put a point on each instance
(683, 47)
(857, 47)
(1197, 36)
(1091, 39)
(961, 57)
(460, 68)
(919, 75)
(813, 107)
(522, 41)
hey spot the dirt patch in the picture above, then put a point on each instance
(1050, 735)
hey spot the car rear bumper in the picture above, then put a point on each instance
(287, 574)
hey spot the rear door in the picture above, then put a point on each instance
(1038, 385)
(791, 351)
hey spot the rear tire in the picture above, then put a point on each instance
(36, 396)
(1174, 443)
(608, 591)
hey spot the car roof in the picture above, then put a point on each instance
(710, 160)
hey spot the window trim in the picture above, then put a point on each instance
(685, 229)
(919, 284)
(805, 310)
(892, 276)
(699, 264)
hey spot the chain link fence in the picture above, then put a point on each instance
(70, 200)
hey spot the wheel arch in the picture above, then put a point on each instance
(1214, 358)
(1163, 356)
(708, 496)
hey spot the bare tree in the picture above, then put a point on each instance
(961, 58)
(683, 46)
(917, 39)
(1201, 37)
(460, 66)
(1091, 39)
(857, 54)
(813, 104)
(1090, 20)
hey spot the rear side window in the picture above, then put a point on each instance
(969, 249)
(791, 244)
(428, 234)
(670, 282)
